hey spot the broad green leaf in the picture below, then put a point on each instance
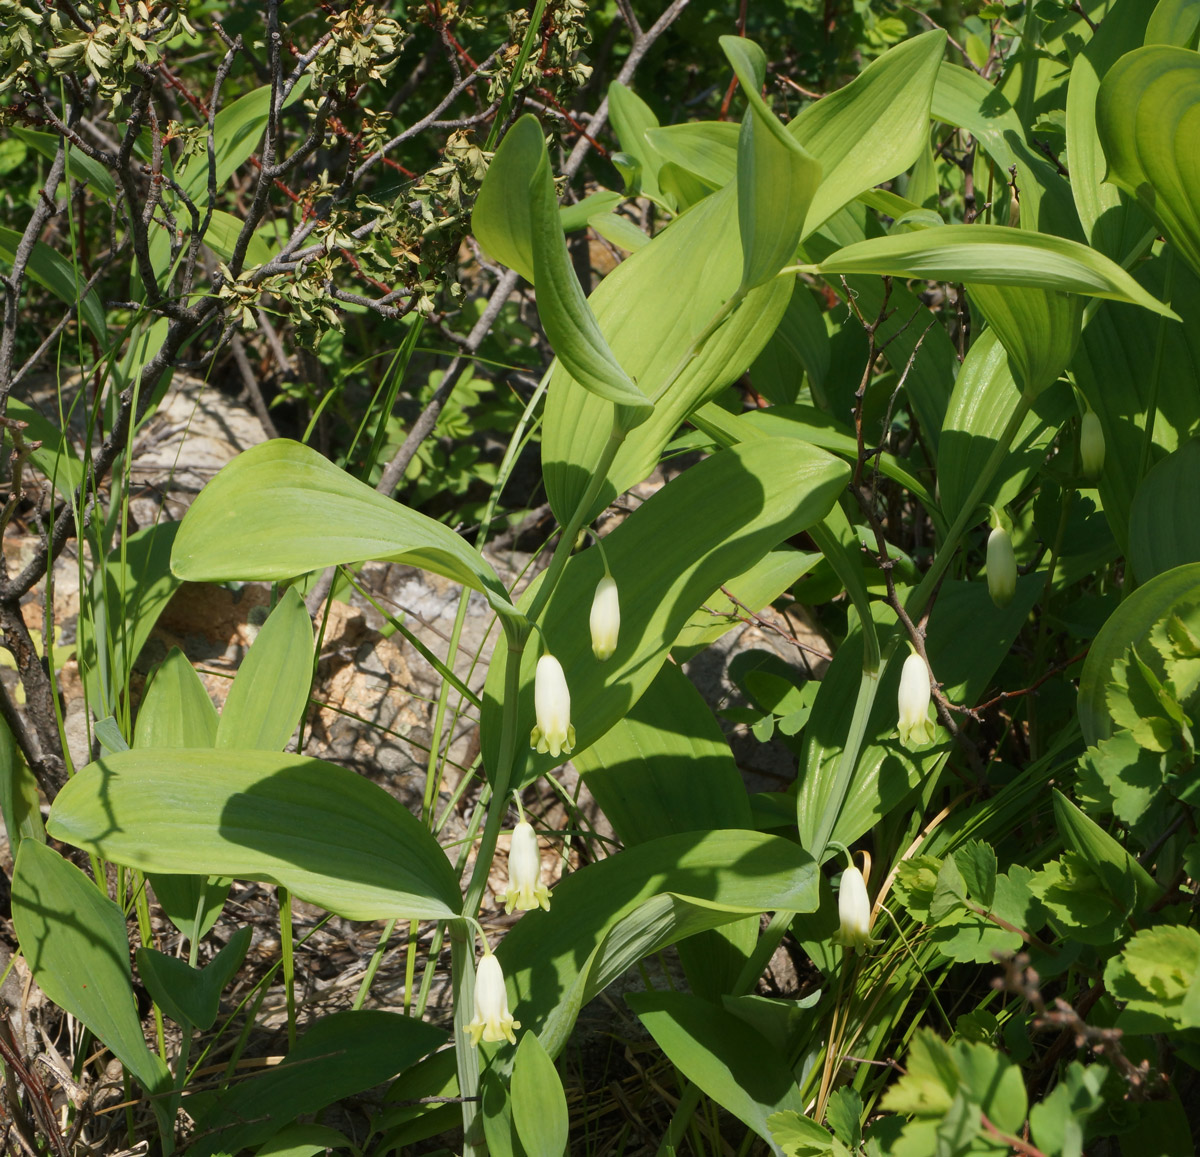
(631, 118)
(182, 896)
(620, 231)
(707, 149)
(1130, 885)
(755, 587)
(237, 130)
(977, 864)
(985, 398)
(539, 1106)
(331, 837)
(573, 217)
(1174, 22)
(963, 98)
(270, 691)
(1057, 1121)
(1112, 221)
(735, 1065)
(683, 185)
(603, 920)
(222, 234)
(306, 1141)
(1038, 328)
(74, 939)
(502, 219)
(565, 314)
(873, 129)
(192, 996)
(128, 594)
(968, 637)
(1163, 530)
(991, 255)
(281, 510)
(776, 178)
(740, 504)
(666, 767)
(799, 1136)
(496, 1112)
(844, 1113)
(699, 250)
(1130, 624)
(54, 272)
(1155, 978)
(1148, 115)
(176, 710)
(342, 1054)
(1115, 368)
(80, 166)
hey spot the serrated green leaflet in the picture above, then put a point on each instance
(331, 837)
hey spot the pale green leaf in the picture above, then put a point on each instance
(502, 219)
(1163, 529)
(330, 836)
(539, 1106)
(631, 119)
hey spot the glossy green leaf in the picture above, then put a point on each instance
(1130, 624)
(604, 920)
(1115, 368)
(1112, 221)
(176, 710)
(182, 896)
(565, 314)
(270, 691)
(329, 836)
(708, 149)
(54, 272)
(74, 940)
(1148, 116)
(496, 1111)
(127, 596)
(1174, 22)
(306, 1141)
(1163, 529)
(631, 118)
(502, 219)
(740, 504)
(666, 767)
(873, 129)
(192, 996)
(776, 177)
(735, 1065)
(573, 217)
(539, 1106)
(699, 250)
(622, 232)
(1038, 328)
(281, 510)
(222, 234)
(342, 1054)
(985, 398)
(991, 255)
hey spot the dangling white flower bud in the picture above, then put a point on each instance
(552, 706)
(1001, 567)
(525, 889)
(493, 1022)
(854, 911)
(1091, 445)
(913, 701)
(605, 619)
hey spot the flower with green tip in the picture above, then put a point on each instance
(605, 619)
(493, 1022)
(552, 707)
(1001, 567)
(854, 911)
(525, 889)
(916, 728)
(1091, 446)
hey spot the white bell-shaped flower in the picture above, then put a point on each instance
(493, 1022)
(1001, 567)
(552, 706)
(854, 911)
(916, 727)
(1091, 445)
(605, 619)
(525, 889)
